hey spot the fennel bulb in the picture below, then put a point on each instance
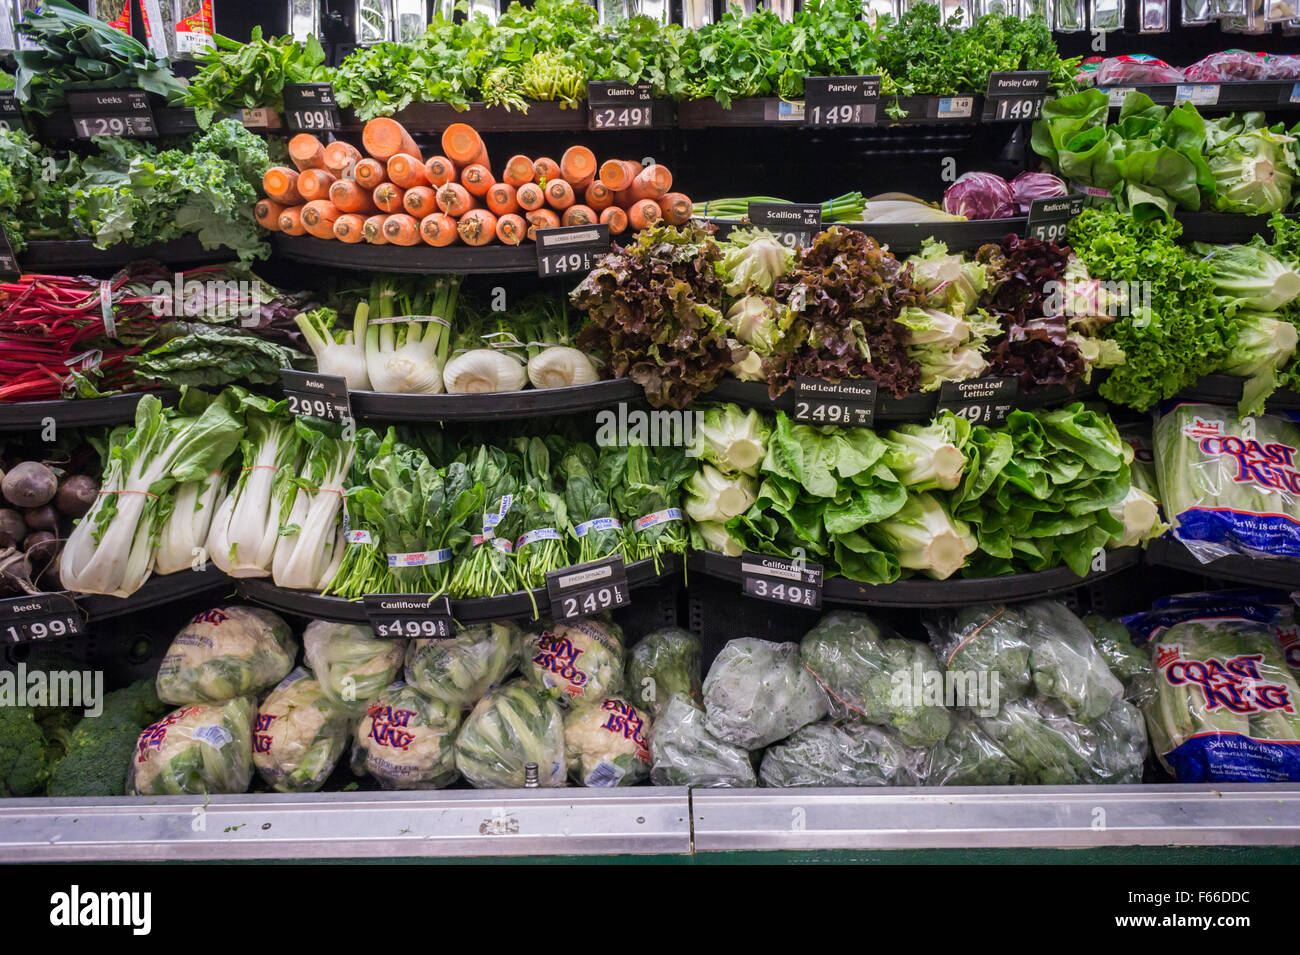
(731, 439)
(559, 366)
(308, 550)
(483, 371)
(926, 538)
(405, 356)
(337, 353)
(713, 496)
(186, 530)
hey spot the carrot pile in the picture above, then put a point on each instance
(397, 196)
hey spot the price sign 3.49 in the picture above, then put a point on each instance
(42, 617)
(588, 589)
(782, 581)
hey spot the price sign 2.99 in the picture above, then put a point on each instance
(316, 396)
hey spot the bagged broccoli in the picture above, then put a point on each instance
(873, 677)
(684, 753)
(759, 692)
(840, 754)
(405, 740)
(984, 641)
(1129, 663)
(576, 660)
(1047, 747)
(460, 670)
(351, 663)
(1065, 663)
(226, 652)
(968, 757)
(661, 664)
(605, 745)
(1120, 745)
(299, 735)
(207, 748)
(514, 725)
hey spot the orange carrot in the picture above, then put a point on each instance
(501, 199)
(519, 170)
(644, 213)
(477, 227)
(578, 215)
(530, 196)
(374, 230)
(420, 202)
(340, 157)
(369, 173)
(676, 207)
(350, 197)
(438, 229)
(511, 228)
(319, 216)
(461, 143)
(407, 171)
(281, 184)
(477, 179)
(306, 152)
(291, 221)
(315, 183)
(388, 197)
(652, 182)
(267, 213)
(401, 229)
(455, 200)
(540, 219)
(545, 169)
(350, 228)
(559, 194)
(615, 218)
(441, 170)
(598, 195)
(623, 198)
(618, 174)
(578, 165)
(384, 138)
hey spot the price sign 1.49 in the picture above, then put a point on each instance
(619, 106)
(316, 396)
(588, 589)
(112, 113)
(569, 249)
(841, 100)
(410, 616)
(790, 582)
(1049, 219)
(310, 107)
(42, 617)
(985, 401)
(1016, 96)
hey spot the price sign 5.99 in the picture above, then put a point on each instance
(1049, 219)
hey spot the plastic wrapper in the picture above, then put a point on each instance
(299, 735)
(840, 754)
(684, 753)
(460, 670)
(758, 692)
(1047, 747)
(1227, 66)
(661, 664)
(577, 660)
(196, 750)
(1119, 745)
(1229, 486)
(406, 739)
(226, 652)
(984, 643)
(607, 744)
(876, 678)
(1129, 663)
(1128, 70)
(514, 725)
(351, 663)
(968, 757)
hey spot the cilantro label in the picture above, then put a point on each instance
(410, 616)
(1050, 218)
(310, 107)
(1015, 96)
(11, 114)
(791, 582)
(795, 224)
(42, 617)
(588, 589)
(112, 113)
(316, 396)
(573, 248)
(841, 100)
(8, 260)
(847, 403)
(619, 106)
(980, 400)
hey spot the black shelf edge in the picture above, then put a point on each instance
(541, 116)
(414, 259)
(1224, 228)
(1168, 551)
(1226, 390)
(953, 592)
(77, 256)
(529, 403)
(157, 590)
(774, 111)
(906, 238)
(75, 412)
(1233, 95)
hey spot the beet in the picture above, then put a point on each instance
(76, 495)
(42, 518)
(29, 484)
(12, 527)
(41, 548)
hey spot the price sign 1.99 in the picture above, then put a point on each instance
(310, 108)
(42, 617)
(112, 113)
(588, 589)
(316, 396)
(570, 249)
(1049, 219)
(619, 106)
(791, 582)
(410, 616)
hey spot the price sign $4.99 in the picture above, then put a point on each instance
(588, 589)
(410, 616)
(40, 617)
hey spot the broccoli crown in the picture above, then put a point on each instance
(24, 765)
(99, 748)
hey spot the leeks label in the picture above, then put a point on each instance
(588, 589)
(310, 107)
(570, 249)
(112, 113)
(11, 114)
(42, 617)
(1050, 218)
(1015, 96)
(841, 100)
(980, 400)
(794, 223)
(619, 106)
(849, 403)
(8, 260)
(795, 583)
(316, 396)
(410, 616)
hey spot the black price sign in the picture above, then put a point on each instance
(791, 582)
(980, 400)
(316, 396)
(588, 589)
(11, 114)
(619, 106)
(849, 403)
(45, 616)
(572, 248)
(8, 261)
(112, 113)
(1013, 97)
(795, 224)
(841, 100)
(1050, 218)
(410, 616)
(310, 108)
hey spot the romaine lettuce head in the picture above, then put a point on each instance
(1249, 277)
(1263, 346)
(731, 439)
(1254, 172)
(514, 725)
(713, 496)
(405, 740)
(460, 670)
(841, 754)
(607, 744)
(1139, 512)
(929, 457)
(925, 537)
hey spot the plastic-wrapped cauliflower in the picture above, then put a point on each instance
(840, 754)
(576, 660)
(1047, 746)
(351, 663)
(1120, 749)
(1065, 663)
(299, 735)
(514, 725)
(460, 670)
(606, 745)
(758, 692)
(1129, 663)
(206, 748)
(985, 640)
(873, 677)
(662, 664)
(226, 652)
(684, 753)
(405, 740)
(968, 757)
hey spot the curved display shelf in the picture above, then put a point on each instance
(76, 256)
(157, 590)
(1223, 228)
(541, 116)
(529, 403)
(774, 111)
(1226, 390)
(75, 412)
(1169, 552)
(519, 604)
(904, 238)
(1234, 95)
(419, 259)
(954, 592)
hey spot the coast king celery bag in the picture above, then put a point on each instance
(1230, 485)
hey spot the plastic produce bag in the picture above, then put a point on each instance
(1119, 745)
(840, 754)
(514, 725)
(460, 670)
(984, 643)
(576, 660)
(226, 652)
(968, 757)
(1129, 663)
(405, 740)
(866, 674)
(195, 750)
(1047, 747)
(299, 735)
(759, 692)
(663, 663)
(351, 663)
(1065, 663)
(607, 744)
(684, 753)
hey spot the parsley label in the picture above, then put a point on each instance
(311, 108)
(841, 100)
(792, 582)
(112, 113)
(619, 106)
(1015, 96)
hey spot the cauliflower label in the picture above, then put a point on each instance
(388, 726)
(261, 731)
(559, 657)
(155, 735)
(623, 720)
